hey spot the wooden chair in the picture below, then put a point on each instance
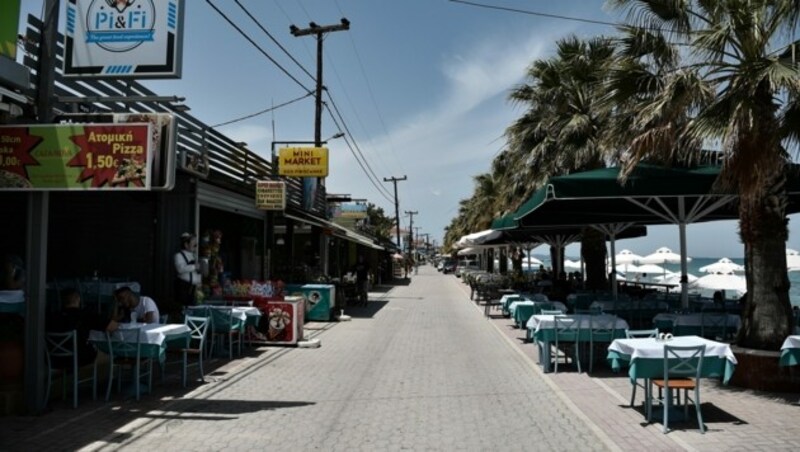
(640, 334)
(682, 370)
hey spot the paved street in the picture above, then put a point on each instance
(421, 368)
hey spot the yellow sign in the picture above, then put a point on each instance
(271, 195)
(303, 162)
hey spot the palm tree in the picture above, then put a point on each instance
(565, 127)
(749, 106)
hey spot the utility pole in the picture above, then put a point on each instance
(395, 180)
(319, 31)
(411, 214)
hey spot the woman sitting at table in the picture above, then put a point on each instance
(132, 308)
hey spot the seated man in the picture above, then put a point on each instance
(72, 317)
(132, 308)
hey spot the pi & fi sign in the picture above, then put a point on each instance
(124, 38)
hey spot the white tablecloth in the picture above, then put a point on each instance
(622, 305)
(239, 313)
(696, 319)
(152, 333)
(555, 304)
(651, 348)
(547, 322)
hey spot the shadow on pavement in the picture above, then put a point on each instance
(366, 312)
(206, 409)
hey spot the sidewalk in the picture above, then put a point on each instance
(420, 368)
(736, 419)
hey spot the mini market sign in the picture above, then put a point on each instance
(76, 157)
(303, 162)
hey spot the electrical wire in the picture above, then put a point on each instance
(347, 130)
(249, 39)
(535, 13)
(258, 23)
(261, 112)
(347, 138)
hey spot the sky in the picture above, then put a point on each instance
(422, 86)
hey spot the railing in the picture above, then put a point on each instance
(229, 162)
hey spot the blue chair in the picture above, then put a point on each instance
(124, 348)
(567, 331)
(682, 370)
(65, 345)
(602, 330)
(640, 334)
(227, 328)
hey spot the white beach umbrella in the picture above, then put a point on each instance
(571, 265)
(723, 265)
(531, 261)
(792, 260)
(662, 256)
(626, 257)
(649, 268)
(721, 281)
(628, 268)
(675, 278)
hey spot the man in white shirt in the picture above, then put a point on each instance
(139, 308)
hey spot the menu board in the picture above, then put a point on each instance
(76, 157)
(270, 195)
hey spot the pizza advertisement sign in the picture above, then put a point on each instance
(76, 157)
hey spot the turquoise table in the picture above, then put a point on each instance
(542, 329)
(506, 300)
(790, 351)
(154, 337)
(522, 311)
(645, 357)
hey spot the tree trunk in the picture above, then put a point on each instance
(593, 251)
(767, 312)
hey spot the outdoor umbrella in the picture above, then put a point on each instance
(721, 281)
(572, 265)
(723, 265)
(627, 257)
(663, 256)
(792, 260)
(652, 269)
(675, 278)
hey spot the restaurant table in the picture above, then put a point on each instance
(790, 351)
(521, 311)
(154, 337)
(249, 314)
(506, 300)
(629, 305)
(542, 329)
(12, 302)
(645, 357)
(692, 323)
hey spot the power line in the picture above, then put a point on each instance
(536, 13)
(246, 11)
(249, 39)
(347, 139)
(347, 129)
(267, 110)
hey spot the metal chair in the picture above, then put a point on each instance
(602, 330)
(228, 328)
(682, 370)
(194, 345)
(640, 334)
(124, 348)
(566, 330)
(65, 345)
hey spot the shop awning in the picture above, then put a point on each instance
(334, 229)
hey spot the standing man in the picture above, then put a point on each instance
(188, 279)
(362, 279)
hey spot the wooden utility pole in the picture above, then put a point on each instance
(319, 31)
(411, 214)
(395, 180)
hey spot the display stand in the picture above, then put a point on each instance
(284, 320)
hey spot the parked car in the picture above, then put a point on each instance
(465, 265)
(447, 266)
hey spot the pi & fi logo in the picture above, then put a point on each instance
(120, 25)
